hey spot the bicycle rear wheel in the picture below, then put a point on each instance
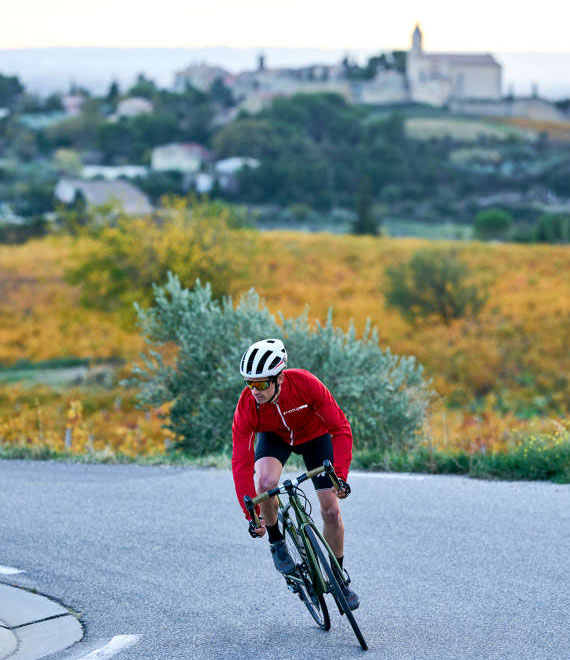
(314, 602)
(322, 554)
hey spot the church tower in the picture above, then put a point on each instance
(417, 41)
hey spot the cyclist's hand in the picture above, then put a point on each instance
(344, 490)
(256, 532)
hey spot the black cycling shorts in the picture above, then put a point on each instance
(314, 452)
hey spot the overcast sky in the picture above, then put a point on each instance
(448, 25)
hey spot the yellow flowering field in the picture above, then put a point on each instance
(515, 357)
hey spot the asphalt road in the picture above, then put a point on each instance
(446, 567)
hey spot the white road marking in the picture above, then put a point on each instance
(388, 475)
(118, 643)
(8, 570)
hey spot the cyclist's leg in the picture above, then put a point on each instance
(333, 528)
(271, 453)
(314, 453)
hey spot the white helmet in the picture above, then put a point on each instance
(263, 359)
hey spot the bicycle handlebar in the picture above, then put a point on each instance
(288, 484)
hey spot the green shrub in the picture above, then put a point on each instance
(553, 228)
(433, 283)
(493, 224)
(384, 396)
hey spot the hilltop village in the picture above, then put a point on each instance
(414, 136)
(466, 83)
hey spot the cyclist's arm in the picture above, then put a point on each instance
(324, 404)
(243, 457)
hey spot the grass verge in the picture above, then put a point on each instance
(537, 458)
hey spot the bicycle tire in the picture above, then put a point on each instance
(315, 603)
(323, 557)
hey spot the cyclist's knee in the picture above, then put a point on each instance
(265, 482)
(331, 514)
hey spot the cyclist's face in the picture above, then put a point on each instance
(263, 396)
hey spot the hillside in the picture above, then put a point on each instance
(517, 353)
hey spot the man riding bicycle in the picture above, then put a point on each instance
(290, 410)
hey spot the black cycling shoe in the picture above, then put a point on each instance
(351, 596)
(281, 557)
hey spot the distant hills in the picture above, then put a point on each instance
(45, 70)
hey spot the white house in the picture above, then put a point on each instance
(133, 106)
(200, 76)
(188, 158)
(227, 169)
(72, 104)
(97, 193)
(112, 173)
(203, 183)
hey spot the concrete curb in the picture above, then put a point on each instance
(8, 641)
(33, 626)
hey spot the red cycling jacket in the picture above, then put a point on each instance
(304, 410)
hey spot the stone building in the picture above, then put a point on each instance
(437, 78)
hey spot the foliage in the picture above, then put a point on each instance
(365, 222)
(493, 224)
(396, 60)
(221, 94)
(317, 149)
(385, 397)
(553, 228)
(102, 425)
(10, 90)
(20, 233)
(541, 456)
(123, 260)
(144, 87)
(433, 283)
(509, 366)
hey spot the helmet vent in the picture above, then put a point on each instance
(250, 361)
(274, 362)
(261, 363)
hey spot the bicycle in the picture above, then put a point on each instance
(317, 570)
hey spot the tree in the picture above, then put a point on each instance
(553, 228)
(493, 224)
(400, 60)
(144, 87)
(433, 284)
(221, 94)
(10, 90)
(113, 93)
(365, 222)
(124, 260)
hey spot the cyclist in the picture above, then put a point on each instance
(290, 410)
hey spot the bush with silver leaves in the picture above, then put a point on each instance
(384, 396)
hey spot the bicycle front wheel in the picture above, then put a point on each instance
(322, 553)
(313, 601)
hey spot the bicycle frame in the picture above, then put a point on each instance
(303, 519)
(319, 571)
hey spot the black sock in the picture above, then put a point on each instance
(340, 560)
(274, 533)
